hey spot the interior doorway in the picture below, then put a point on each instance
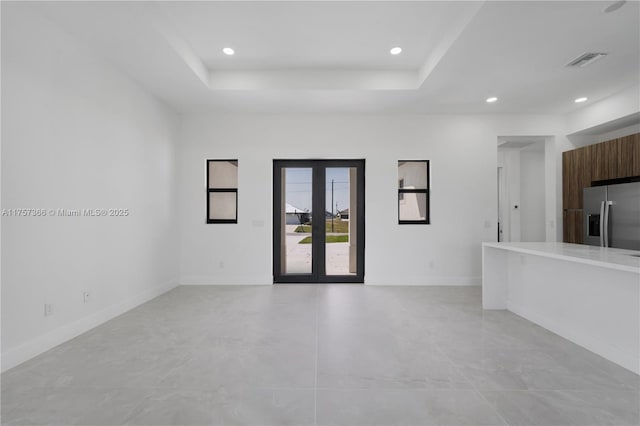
(525, 182)
(318, 221)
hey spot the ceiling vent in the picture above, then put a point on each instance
(585, 59)
(614, 6)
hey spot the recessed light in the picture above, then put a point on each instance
(396, 51)
(228, 51)
(579, 100)
(491, 100)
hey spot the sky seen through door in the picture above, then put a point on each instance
(298, 182)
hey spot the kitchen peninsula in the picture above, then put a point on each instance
(586, 294)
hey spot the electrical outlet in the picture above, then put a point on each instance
(48, 309)
(85, 297)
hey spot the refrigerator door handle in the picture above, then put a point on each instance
(607, 206)
(602, 219)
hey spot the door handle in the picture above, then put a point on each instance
(605, 225)
(602, 219)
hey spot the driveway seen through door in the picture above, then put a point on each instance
(318, 221)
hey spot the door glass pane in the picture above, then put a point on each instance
(340, 229)
(296, 206)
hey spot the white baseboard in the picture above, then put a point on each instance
(432, 281)
(43, 343)
(428, 282)
(215, 280)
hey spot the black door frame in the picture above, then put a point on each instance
(318, 273)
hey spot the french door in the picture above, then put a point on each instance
(318, 221)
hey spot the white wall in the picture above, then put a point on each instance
(462, 151)
(625, 103)
(626, 131)
(595, 135)
(78, 134)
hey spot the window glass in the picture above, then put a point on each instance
(412, 174)
(413, 192)
(413, 206)
(223, 174)
(222, 205)
(222, 191)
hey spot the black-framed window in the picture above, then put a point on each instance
(413, 192)
(222, 191)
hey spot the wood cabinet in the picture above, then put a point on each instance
(624, 164)
(604, 159)
(614, 159)
(629, 155)
(576, 174)
(572, 226)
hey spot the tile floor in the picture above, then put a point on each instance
(324, 355)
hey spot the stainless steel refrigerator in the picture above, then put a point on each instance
(612, 216)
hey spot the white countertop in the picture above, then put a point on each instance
(607, 257)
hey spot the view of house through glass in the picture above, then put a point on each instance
(296, 235)
(340, 236)
(318, 220)
(222, 191)
(413, 187)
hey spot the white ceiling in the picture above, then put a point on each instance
(314, 35)
(333, 56)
